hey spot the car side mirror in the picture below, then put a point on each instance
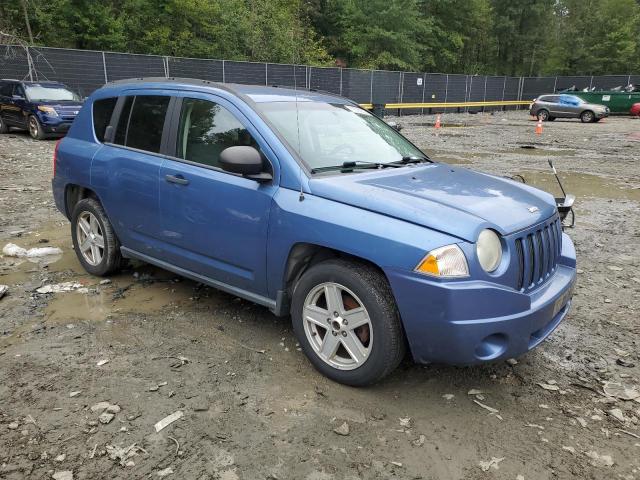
(245, 161)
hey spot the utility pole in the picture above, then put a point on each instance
(26, 20)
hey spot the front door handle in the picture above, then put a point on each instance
(178, 179)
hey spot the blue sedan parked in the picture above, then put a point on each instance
(43, 108)
(311, 206)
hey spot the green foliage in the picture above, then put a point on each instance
(512, 37)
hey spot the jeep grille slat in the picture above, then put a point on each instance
(537, 252)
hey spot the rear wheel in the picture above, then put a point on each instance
(543, 115)
(346, 320)
(587, 116)
(94, 239)
(4, 128)
(35, 129)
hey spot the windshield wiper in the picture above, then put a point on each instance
(413, 159)
(351, 165)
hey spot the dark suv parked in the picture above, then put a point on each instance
(43, 108)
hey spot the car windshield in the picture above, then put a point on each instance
(47, 93)
(327, 134)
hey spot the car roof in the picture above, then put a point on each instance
(257, 93)
(28, 82)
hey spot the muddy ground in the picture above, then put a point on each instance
(253, 406)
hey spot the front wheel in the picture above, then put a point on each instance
(346, 320)
(543, 115)
(587, 116)
(35, 129)
(94, 239)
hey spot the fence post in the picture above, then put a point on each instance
(223, 77)
(424, 86)
(371, 88)
(400, 88)
(484, 96)
(590, 82)
(446, 89)
(165, 60)
(341, 80)
(30, 64)
(467, 93)
(104, 68)
(555, 84)
(266, 74)
(504, 86)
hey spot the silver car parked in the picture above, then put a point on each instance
(550, 107)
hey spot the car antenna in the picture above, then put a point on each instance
(557, 178)
(295, 89)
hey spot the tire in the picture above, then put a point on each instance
(108, 258)
(382, 337)
(587, 116)
(542, 114)
(35, 129)
(4, 128)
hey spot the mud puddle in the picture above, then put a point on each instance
(457, 158)
(140, 288)
(538, 151)
(581, 185)
(442, 125)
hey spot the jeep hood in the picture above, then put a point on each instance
(442, 197)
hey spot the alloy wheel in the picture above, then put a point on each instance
(90, 238)
(33, 127)
(337, 326)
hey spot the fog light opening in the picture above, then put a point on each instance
(491, 347)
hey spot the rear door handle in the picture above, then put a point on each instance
(178, 179)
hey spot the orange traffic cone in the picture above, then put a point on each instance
(539, 127)
(438, 121)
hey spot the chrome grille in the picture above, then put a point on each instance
(537, 252)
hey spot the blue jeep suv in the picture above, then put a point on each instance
(311, 206)
(43, 108)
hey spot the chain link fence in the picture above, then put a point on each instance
(87, 70)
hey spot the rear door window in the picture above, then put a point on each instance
(141, 122)
(205, 129)
(102, 110)
(6, 89)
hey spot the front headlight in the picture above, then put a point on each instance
(48, 110)
(447, 261)
(489, 250)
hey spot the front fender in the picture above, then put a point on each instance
(384, 241)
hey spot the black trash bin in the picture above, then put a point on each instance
(378, 110)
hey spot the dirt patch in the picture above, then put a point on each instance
(153, 344)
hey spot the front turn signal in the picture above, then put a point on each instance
(448, 261)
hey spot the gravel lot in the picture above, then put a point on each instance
(253, 406)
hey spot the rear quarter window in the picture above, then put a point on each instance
(102, 111)
(141, 122)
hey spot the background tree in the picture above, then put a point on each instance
(495, 37)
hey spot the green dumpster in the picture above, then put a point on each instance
(618, 102)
